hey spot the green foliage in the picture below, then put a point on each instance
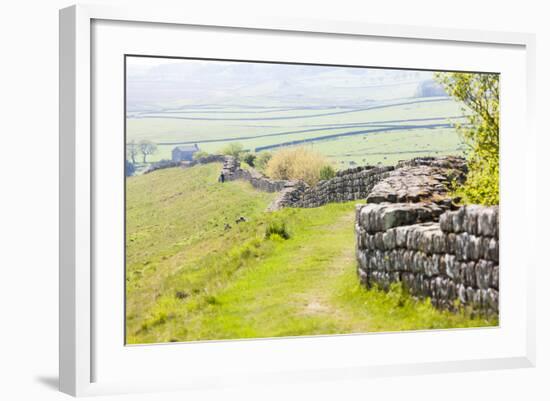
(277, 228)
(249, 158)
(233, 149)
(482, 184)
(396, 310)
(262, 159)
(199, 154)
(480, 95)
(327, 172)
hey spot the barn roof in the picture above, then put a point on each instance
(187, 148)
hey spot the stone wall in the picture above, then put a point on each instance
(351, 184)
(435, 252)
(413, 180)
(162, 164)
(233, 171)
(204, 160)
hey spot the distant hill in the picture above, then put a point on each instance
(175, 83)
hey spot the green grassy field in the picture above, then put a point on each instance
(192, 273)
(334, 131)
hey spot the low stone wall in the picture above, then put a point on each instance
(232, 171)
(161, 164)
(347, 185)
(204, 160)
(435, 252)
(351, 184)
(413, 180)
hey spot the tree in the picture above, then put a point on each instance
(233, 149)
(132, 150)
(147, 148)
(479, 93)
(249, 158)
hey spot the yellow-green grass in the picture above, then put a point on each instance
(191, 278)
(173, 218)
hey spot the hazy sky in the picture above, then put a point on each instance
(156, 82)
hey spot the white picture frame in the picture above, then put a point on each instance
(78, 369)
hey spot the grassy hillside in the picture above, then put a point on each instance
(192, 277)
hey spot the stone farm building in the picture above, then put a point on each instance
(184, 153)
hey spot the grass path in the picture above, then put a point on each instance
(291, 292)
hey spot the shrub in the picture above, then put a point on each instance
(262, 160)
(481, 186)
(277, 229)
(199, 154)
(327, 172)
(249, 158)
(296, 164)
(480, 95)
(233, 149)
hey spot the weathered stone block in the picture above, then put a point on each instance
(458, 220)
(473, 248)
(452, 268)
(487, 223)
(483, 272)
(388, 238)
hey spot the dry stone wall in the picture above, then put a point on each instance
(347, 185)
(162, 164)
(351, 184)
(449, 256)
(232, 171)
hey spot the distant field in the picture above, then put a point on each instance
(400, 129)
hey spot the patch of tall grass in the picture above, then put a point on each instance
(298, 163)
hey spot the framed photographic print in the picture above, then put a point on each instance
(278, 200)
